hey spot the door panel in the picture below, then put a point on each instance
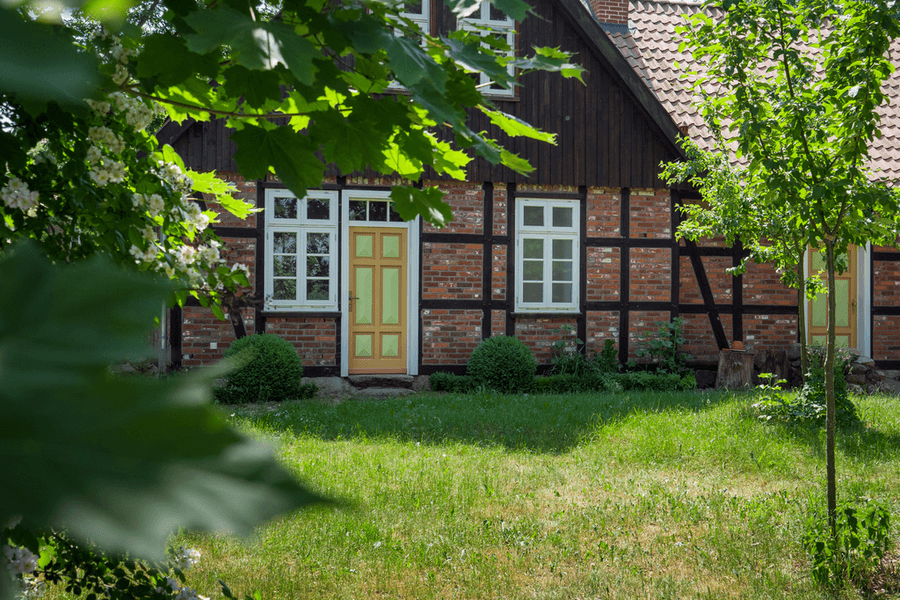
(378, 297)
(845, 301)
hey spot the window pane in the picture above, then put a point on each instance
(285, 243)
(285, 208)
(394, 215)
(285, 266)
(357, 210)
(562, 216)
(496, 14)
(533, 292)
(562, 249)
(562, 292)
(318, 209)
(533, 248)
(285, 289)
(414, 8)
(317, 289)
(317, 266)
(562, 270)
(533, 216)
(377, 211)
(317, 243)
(533, 270)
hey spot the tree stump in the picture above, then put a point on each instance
(735, 369)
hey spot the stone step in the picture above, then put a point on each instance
(362, 382)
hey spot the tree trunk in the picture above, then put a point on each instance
(829, 392)
(801, 319)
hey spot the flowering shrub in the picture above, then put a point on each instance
(96, 181)
(37, 560)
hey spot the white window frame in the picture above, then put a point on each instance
(547, 232)
(481, 22)
(301, 226)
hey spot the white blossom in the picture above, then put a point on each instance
(121, 75)
(16, 194)
(22, 561)
(186, 558)
(156, 205)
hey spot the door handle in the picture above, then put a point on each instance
(350, 301)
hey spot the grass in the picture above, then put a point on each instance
(580, 496)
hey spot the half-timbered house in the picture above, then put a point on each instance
(586, 241)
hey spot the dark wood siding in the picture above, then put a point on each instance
(605, 137)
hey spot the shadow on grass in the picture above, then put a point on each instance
(543, 423)
(860, 440)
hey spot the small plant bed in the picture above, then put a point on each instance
(582, 495)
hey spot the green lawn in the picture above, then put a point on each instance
(581, 496)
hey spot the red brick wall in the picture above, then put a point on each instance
(452, 271)
(603, 210)
(601, 326)
(201, 330)
(650, 214)
(698, 334)
(641, 322)
(501, 218)
(498, 273)
(650, 277)
(603, 274)
(467, 202)
(721, 283)
(611, 11)
(886, 337)
(315, 339)
(762, 285)
(886, 281)
(540, 336)
(769, 332)
(450, 336)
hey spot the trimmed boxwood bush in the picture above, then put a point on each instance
(272, 371)
(503, 363)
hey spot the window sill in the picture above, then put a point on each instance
(545, 313)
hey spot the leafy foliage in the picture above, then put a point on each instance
(322, 68)
(664, 349)
(808, 405)
(503, 363)
(270, 369)
(123, 461)
(451, 382)
(798, 86)
(570, 358)
(863, 538)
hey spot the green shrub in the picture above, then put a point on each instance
(656, 381)
(567, 383)
(863, 538)
(809, 404)
(272, 371)
(664, 348)
(608, 361)
(451, 382)
(503, 363)
(569, 357)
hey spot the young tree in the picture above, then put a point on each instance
(798, 84)
(732, 211)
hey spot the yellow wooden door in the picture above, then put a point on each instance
(845, 300)
(377, 300)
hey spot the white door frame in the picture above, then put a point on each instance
(863, 298)
(412, 277)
